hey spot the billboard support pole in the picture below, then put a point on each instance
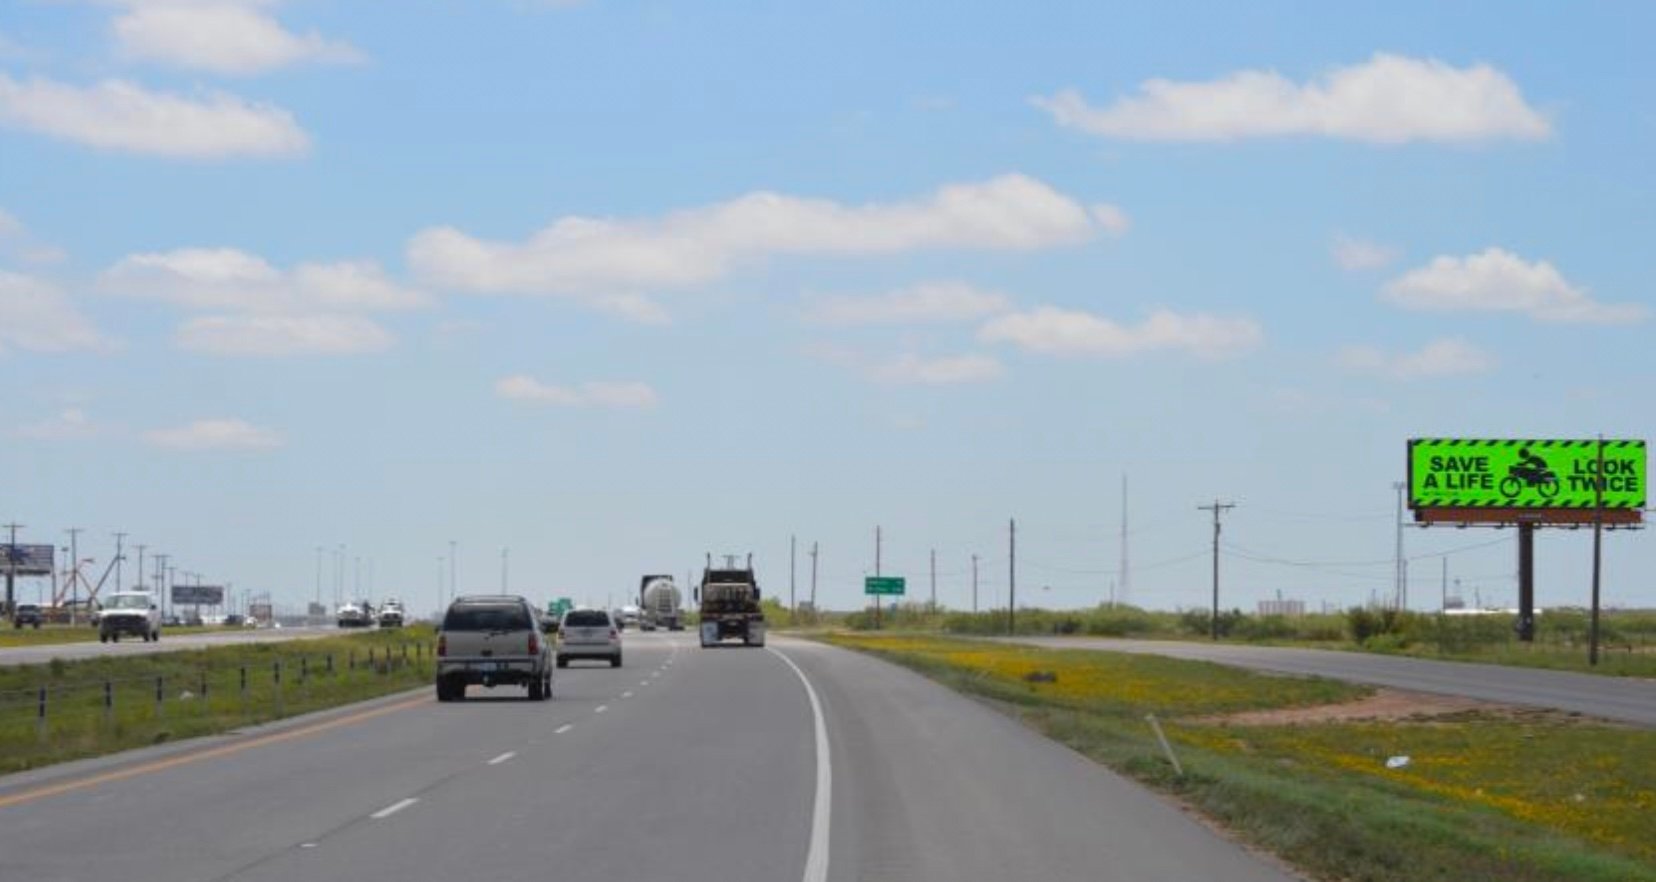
(11, 567)
(1598, 541)
(1526, 582)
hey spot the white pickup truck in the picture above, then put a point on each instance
(129, 612)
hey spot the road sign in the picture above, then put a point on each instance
(560, 606)
(884, 585)
(202, 595)
(26, 560)
(1536, 475)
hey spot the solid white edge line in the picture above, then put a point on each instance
(502, 758)
(816, 856)
(393, 808)
(564, 728)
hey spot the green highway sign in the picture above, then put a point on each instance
(1530, 474)
(884, 585)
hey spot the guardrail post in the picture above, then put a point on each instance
(40, 715)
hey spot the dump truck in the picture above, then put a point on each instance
(728, 598)
(661, 602)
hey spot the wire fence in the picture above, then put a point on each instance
(55, 720)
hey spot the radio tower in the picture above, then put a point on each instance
(1123, 579)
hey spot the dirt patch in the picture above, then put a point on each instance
(1384, 704)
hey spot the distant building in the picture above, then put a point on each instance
(1280, 607)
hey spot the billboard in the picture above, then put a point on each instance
(26, 560)
(199, 595)
(1540, 479)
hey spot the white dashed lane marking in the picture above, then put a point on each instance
(502, 758)
(600, 708)
(562, 729)
(393, 808)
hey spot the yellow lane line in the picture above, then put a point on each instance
(151, 768)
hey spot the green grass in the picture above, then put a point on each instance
(1531, 798)
(201, 690)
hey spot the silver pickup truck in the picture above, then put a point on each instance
(489, 641)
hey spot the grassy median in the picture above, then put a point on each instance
(1487, 793)
(53, 635)
(108, 704)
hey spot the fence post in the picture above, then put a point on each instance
(204, 695)
(352, 660)
(330, 663)
(109, 702)
(276, 680)
(40, 715)
(160, 694)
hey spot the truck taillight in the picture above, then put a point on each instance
(534, 644)
(442, 645)
(613, 634)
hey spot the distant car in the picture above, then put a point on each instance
(589, 633)
(232, 620)
(27, 614)
(130, 612)
(490, 640)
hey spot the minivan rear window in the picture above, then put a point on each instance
(481, 617)
(587, 619)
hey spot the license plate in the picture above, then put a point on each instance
(488, 666)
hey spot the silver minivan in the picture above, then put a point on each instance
(589, 633)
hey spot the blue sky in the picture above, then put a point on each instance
(616, 284)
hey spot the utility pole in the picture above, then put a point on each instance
(74, 574)
(141, 548)
(11, 566)
(974, 584)
(1444, 606)
(813, 580)
(1400, 598)
(1012, 576)
(504, 553)
(1217, 508)
(120, 557)
(441, 607)
(160, 580)
(453, 568)
(1123, 579)
(318, 575)
(793, 603)
(934, 580)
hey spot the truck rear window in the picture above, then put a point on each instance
(486, 618)
(587, 619)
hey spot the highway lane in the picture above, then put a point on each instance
(687, 764)
(169, 642)
(1625, 699)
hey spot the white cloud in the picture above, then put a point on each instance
(1388, 99)
(15, 239)
(915, 370)
(220, 434)
(1111, 219)
(1440, 358)
(1357, 254)
(1497, 280)
(72, 424)
(945, 301)
(279, 335)
(120, 115)
(593, 260)
(620, 395)
(221, 37)
(910, 369)
(36, 316)
(228, 278)
(1053, 331)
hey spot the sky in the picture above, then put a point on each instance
(593, 289)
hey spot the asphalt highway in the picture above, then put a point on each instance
(800, 762)
(1624, 699)
(169, 642)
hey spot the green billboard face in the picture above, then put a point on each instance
(1471, 473)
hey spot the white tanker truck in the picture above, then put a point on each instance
(660, 603)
